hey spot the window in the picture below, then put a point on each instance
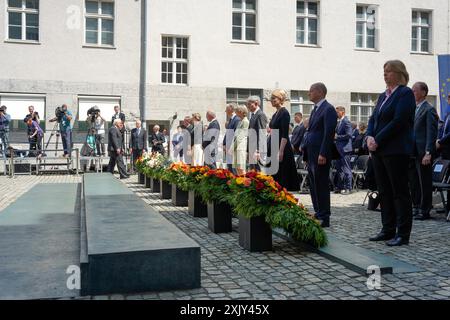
(244, 20)
(23, 20)
(174, 65)
(17, 107)
(307, 22)
(99, 23)
(300, 103)
(362, 106)
(421, 31)
(366, 31)
(239, 96)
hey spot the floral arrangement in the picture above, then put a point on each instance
(176, 173)
(194, 175)
(256, 194)
(152, 164)
(213, 186)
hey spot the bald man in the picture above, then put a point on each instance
(138, 141)
(210, 140)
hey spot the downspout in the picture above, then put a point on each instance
(143, 66)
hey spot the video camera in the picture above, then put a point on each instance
(59, 113)
(93, 112)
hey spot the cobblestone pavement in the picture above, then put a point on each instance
(288, 272)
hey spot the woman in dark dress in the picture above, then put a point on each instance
(286, 175)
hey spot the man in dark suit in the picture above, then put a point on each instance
(298, 133)
(138, 141)
(157, 139)
(344, 147)
(115, 149)
(258, 121)
(119, 115)
(319, 151)
(210, 139)
(230, 126)
(425, 136)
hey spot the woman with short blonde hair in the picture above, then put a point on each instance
(390, 142)
(197, 150)
(240, 141)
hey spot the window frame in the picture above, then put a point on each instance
(420, 26)
(23, 12)
(298, 99)
(100, 17)
(244, 11)
(372, 103)
(307, 16)
(174, 60)
(365, 20)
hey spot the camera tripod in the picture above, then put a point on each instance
(55, 130)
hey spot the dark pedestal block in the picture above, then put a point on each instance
(155, 185)
(166, 190)
(148, 182)
(179, 197)
(141, 178)
(219, 217)
(197, 208)
(255, 234)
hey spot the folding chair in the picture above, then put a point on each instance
(302, 170)
(441, 180)
(360, 169)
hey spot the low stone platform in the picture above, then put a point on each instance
(39, 235)
(130, 246)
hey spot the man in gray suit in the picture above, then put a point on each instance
(115, 143)
(425, 135)
(138, 141)
(258, 121)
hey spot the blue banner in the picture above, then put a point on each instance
(444, 83)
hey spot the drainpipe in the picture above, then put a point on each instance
(143, 66)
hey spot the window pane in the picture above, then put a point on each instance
(360, 28)
(178, 53)
(91, 24)
(250, 20)
(164, 41)
(425, 18)
(185, 43)
(32, 33)
(237, 33)
(415, 32)
(301, 37)
(312, 26)
(108, 8)
(184, 78)
(92, 7)
(237, 4)
(107, 25)
(425, 33)
(250, 34)
(15, 19)
(359, 41)
(237, 19)
(415, 17)
(251, 4)
(164, 77)
(32, 20)
(312, 37)
(301, 7)
(92, 37)
(371, 42)
(424, 46)
(178, 41)
(360, 12)
(184, 69)
(312, 8)
(178, 78)
(164, 67)
(15, 3)
(184, 54)
(15, 33)
(307, 109)
(108, 38)
(32, 4)
(169, 78)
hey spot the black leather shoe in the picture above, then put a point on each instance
(325, 223)
(124, 177)
(397, 241)
(422, 216)
(382, 237)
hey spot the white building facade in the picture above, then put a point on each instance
(201, 54)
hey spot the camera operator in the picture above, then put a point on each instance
(97, 122)
(5, 119)
(64, 116)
